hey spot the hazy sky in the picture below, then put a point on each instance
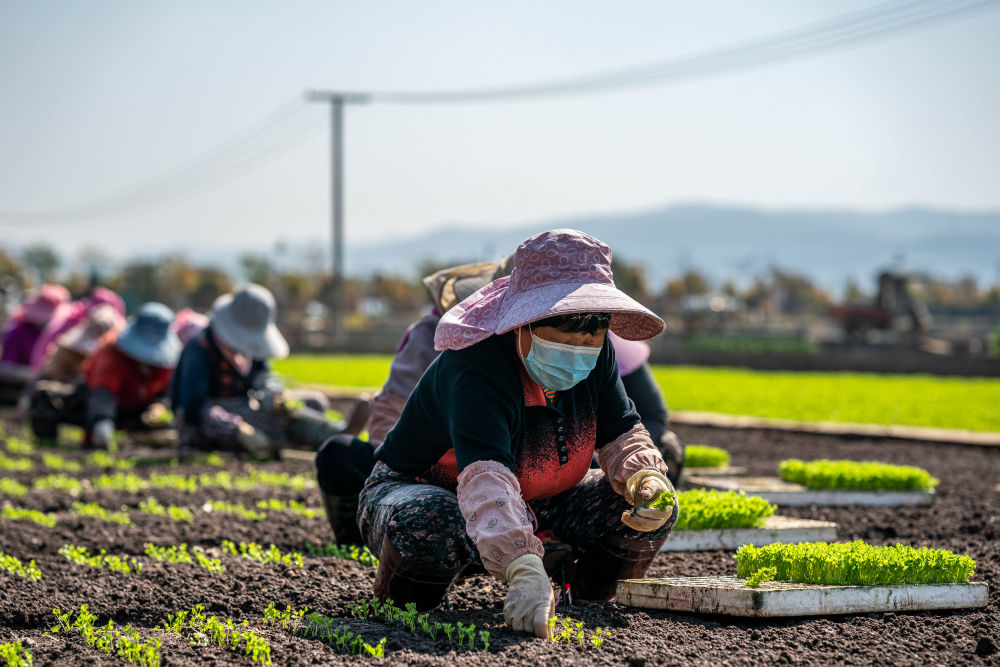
(97, 97)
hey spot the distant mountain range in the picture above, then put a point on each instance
(728, 242)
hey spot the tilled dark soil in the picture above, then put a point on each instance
(965, 517)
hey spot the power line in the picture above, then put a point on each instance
(279, 130)
(285, 126)
(879, 22)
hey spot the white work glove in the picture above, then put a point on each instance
(101, 434)
(155, 415)
(641, 489)
(251, 439)
(530, 603)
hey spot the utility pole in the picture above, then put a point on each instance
(337, 100)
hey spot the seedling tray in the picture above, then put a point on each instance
(787, 530)
(786, 494)
(723, 471)
(727, 596)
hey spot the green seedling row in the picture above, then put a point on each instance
(152, 506)
(226, 480)
(288, 619)
(259, 554)
(340, 637)
(292, 506)
(102, 560)
(573, 632)
(711, 509)
(96, 511)
(408, 617)
(854, 564)
(119, 481)
(132, 483)
(203, 630)
(180, 554)
(101, 459)
(870, 475)
(122, 641)
(9, 464)
(237, 509)
(58, 481)
(703, 456)
(56, 462)
(22, 514)
(13, 565)
(12, 487)
(15, 655)
(19, 446)
(348, 551)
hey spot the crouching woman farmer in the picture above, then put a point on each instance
(494, 444)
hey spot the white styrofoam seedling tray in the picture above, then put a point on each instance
(723, 471)
(786, 494)
(728, 596)
(784, 529)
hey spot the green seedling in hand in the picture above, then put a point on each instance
(664, 501)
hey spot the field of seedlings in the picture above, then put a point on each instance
(112, 558)
(867, 398)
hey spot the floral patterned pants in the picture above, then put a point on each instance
(423, 522)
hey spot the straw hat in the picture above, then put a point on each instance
(449, 286)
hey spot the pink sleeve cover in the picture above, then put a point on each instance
(496, 517)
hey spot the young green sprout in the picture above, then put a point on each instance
(15, 655)
(664, 501)
(760, 576)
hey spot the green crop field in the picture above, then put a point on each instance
(917, 400)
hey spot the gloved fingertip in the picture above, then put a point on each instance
(542, 624)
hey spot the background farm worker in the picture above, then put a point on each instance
(495, 443)
(640, 385)
(127, 378)
(59, 394)
(70, 316)
(344, 462)
(223, 395)
(65, 364)
(188, 324)
(21, 335)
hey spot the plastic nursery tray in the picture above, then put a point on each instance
(786, 494)
(784, 529)
(723, 471)
(727, 596)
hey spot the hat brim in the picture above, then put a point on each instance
(496, 310)
(629, 319)
(160, 352)
(266, 344)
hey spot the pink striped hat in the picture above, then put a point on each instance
(556, 272)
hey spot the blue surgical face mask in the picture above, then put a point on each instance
(559, 366)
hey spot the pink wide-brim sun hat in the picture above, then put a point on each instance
(556, 272)
(42, 306)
